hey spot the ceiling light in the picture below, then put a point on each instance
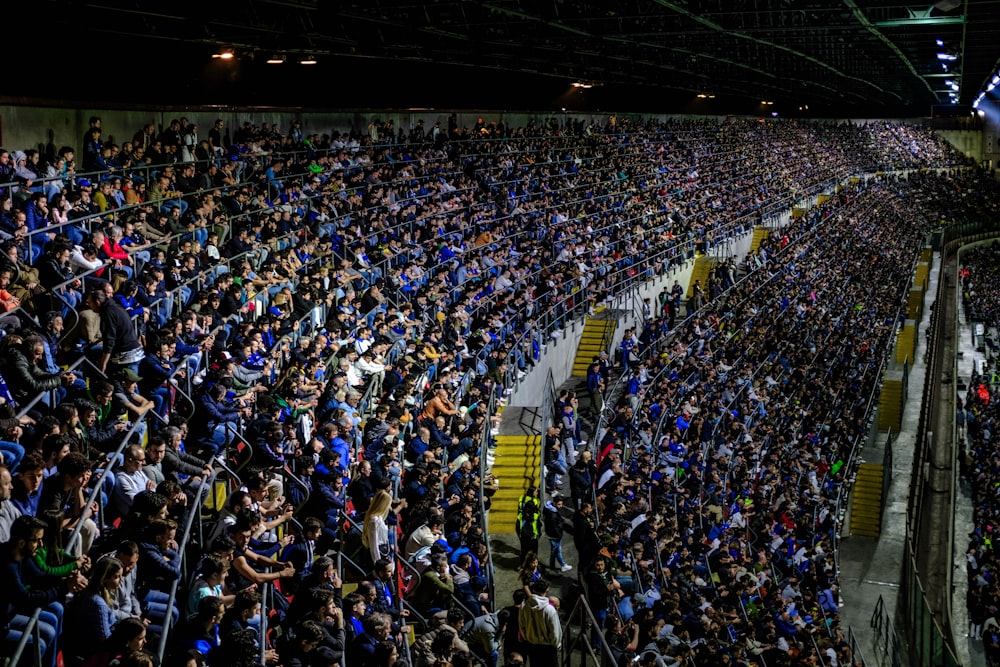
(276, 60)
(308, 60)
(581, 84)
(702, 95)
(226, 54)
(940, 42)
(947, 56)
(995, 80)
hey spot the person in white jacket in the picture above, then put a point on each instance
(538, 622)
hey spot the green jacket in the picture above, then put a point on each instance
(42, 559)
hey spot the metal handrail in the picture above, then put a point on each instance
(587, 623)
(75, 534)
(266, 590)
(288, 474)
(31, 631)
(25, 409)
(181, 550)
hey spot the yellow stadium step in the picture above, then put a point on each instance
(702, 267)
(594, 339)
(759, 234)
(866, 501)
(517, 462)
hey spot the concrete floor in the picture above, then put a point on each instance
(869, 568)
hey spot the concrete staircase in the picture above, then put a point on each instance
(703, 265)
(596, 334)
(759, 234)
(866, 501)
(517, 465)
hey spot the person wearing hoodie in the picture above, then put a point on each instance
(539, 624)
(554, 527)
(484, 633)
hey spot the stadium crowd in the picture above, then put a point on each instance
(239, 370)
(725, 459)
(978, 460)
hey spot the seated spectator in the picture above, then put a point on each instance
(65, 492)
(93, 610)
(200, 632)
(127, 637)
(131, 480)
(27, 591)
(436, 587)
(28, 483)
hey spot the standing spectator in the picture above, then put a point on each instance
(538, 622)
(121, 345)
(529, 532)
(484, 633)
(375, 531)
(554, 528)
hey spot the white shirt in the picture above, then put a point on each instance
(129, 484)
(78, 261)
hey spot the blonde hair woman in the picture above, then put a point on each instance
(375, 531)
(96, 611)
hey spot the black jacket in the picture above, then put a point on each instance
(117, 330)
(26, 380)
(554, 525)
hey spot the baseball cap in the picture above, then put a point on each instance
(129, 375)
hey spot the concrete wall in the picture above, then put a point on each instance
(970, 142)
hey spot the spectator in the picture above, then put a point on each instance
(120, 344)
(375, 530)
(65, 492)
(9, 510)
(539, 624)
(94, 613)
(23, 595)
(131, 480)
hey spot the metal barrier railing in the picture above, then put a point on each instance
(31, 633)
(193, 511)
(95, 492)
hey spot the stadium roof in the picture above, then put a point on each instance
(859, 57)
